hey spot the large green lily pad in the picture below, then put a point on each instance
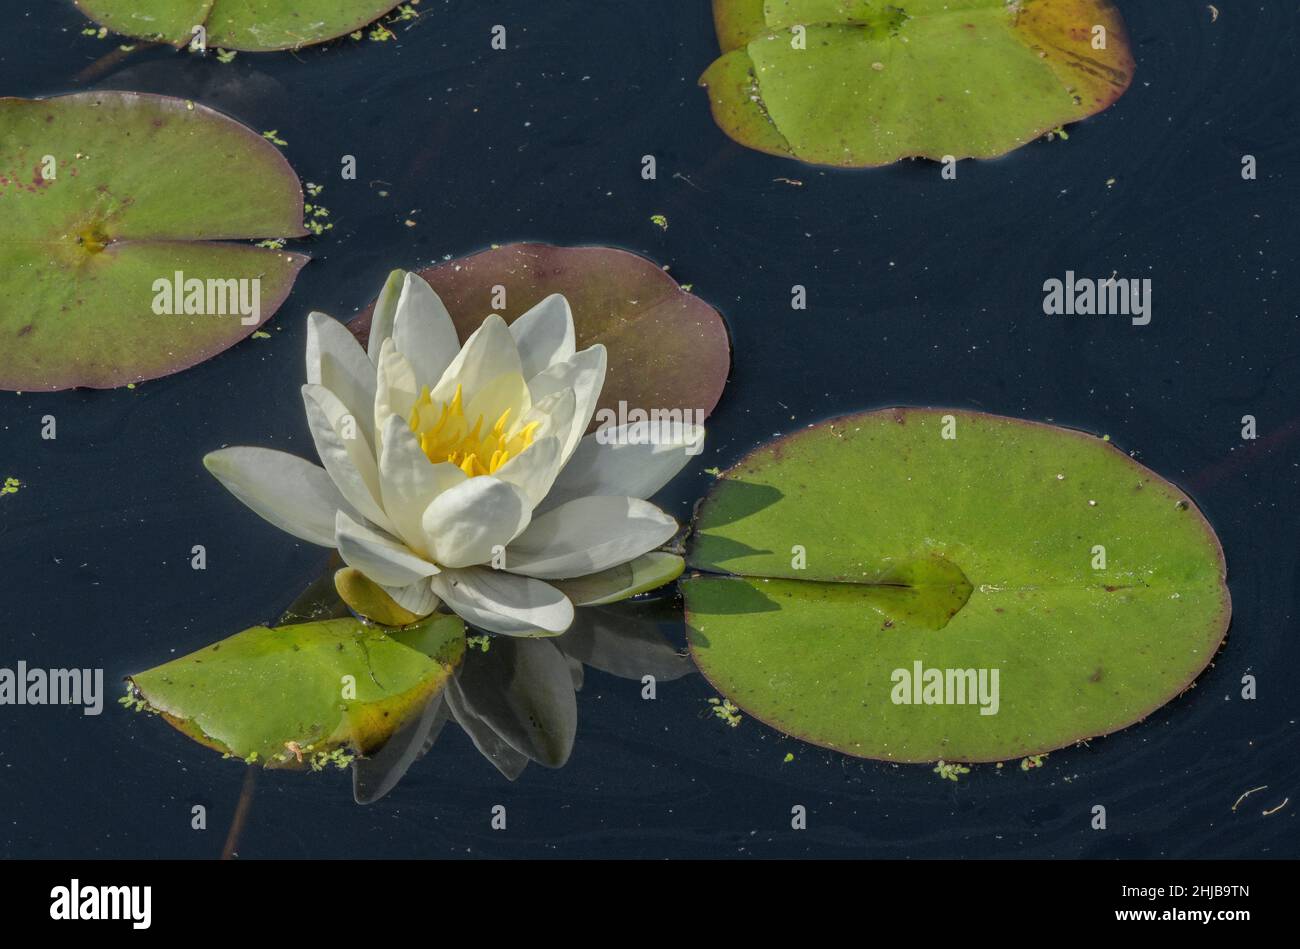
(861, 83)
(252, 25)
(268, 695)
(668, 349)
(143, 187)
(975, 552)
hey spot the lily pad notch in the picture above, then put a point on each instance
(831, 559)
(864, 83)
(104, 194)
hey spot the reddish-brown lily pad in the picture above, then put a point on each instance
(668, 349)
(105, 194)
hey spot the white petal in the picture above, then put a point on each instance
(605, 463)
(290, 492)
(544, 335)
(464, 524)
(396, 389)
(423, 331)
(504, 603)
(349, 460)
(381, 320)
(533, 471)
(584, 373)
(488, 354)
(417, 597)
(587, 535)
(336, 361)
(409, 481)
(508, 391)
(554, 413)
(380, 557)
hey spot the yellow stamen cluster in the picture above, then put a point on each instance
(446, 435)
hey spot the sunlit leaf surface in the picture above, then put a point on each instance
(870, 543)
(866, 82)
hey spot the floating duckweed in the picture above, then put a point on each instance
(226, 55)
(478, 642)
(950, 772)
(726, 712)
(316, 212)
(338, 757)
(134, 700)
(1033, 761)
(10, 486)
(273, 136)
(659, 221)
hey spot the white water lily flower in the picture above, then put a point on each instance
(461, 475)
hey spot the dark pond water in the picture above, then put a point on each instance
(921, 292)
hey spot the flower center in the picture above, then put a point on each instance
(446, 435)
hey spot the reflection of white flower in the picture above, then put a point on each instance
(461, 474)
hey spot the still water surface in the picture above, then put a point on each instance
(920, 292)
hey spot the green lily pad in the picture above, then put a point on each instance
(251, 25)
(268, 695)
(861, 83)
(862, 546)
(142, 187)
(668, 349)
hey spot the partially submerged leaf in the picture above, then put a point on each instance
(323, 690)
(102, 195)
(863, 82)
(250, 25)
(864, 546)
(368, 598)
(647, 572)
(668, 349)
